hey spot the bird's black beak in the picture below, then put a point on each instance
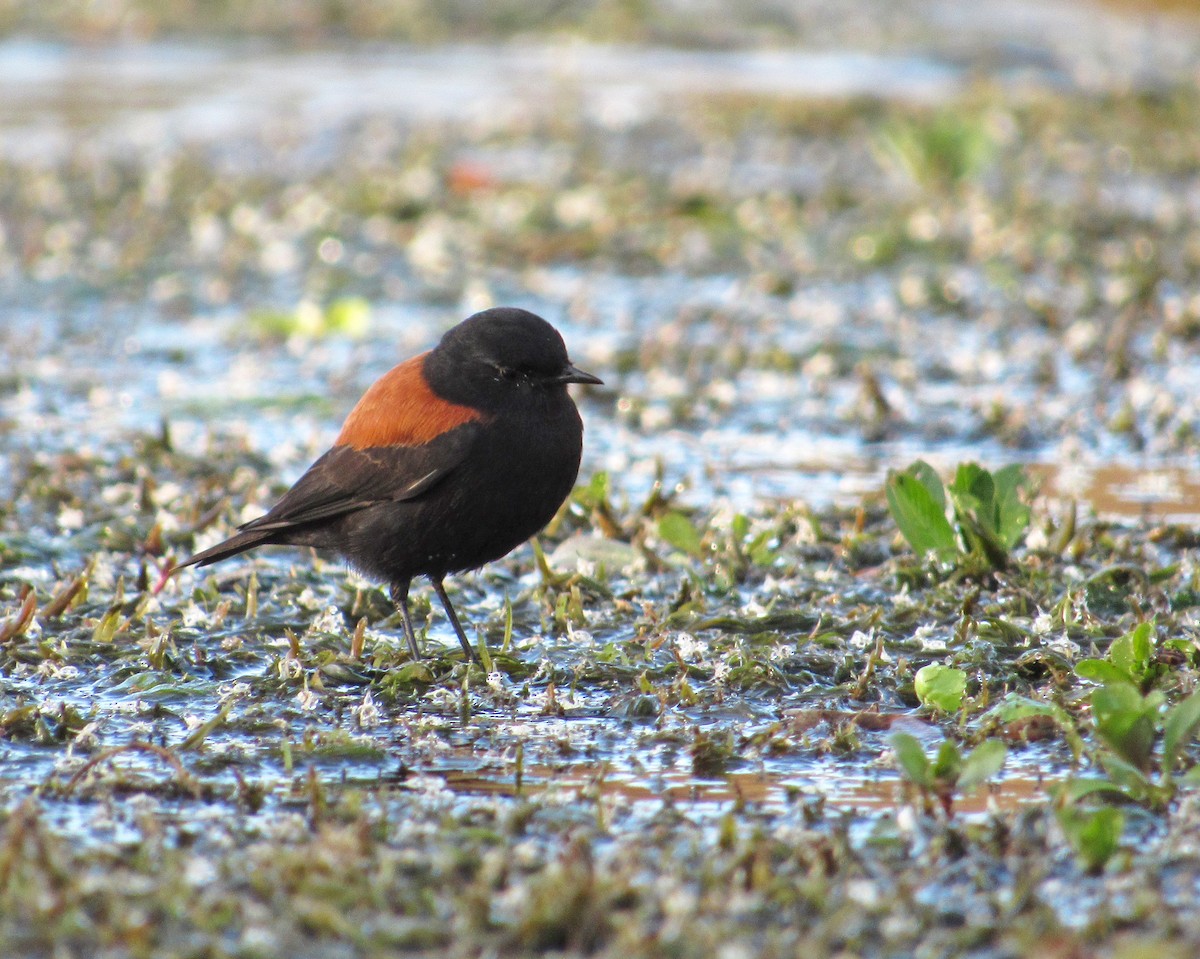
(572, 375)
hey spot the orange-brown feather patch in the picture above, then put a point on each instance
(399, 409)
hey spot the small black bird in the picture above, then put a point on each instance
(449, 461)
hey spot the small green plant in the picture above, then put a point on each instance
(989, 512)
(1130, 660)
(949, 771)
(941, 687)
(1128, 725)
(677, 530)
(1094, 834)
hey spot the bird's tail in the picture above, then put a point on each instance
(238, 543)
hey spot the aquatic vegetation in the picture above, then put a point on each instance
(950, 771)
(988, 510)
(940, 686)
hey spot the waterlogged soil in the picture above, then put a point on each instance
(795, 269)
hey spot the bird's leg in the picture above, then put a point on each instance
(462, 637)
(400, 601)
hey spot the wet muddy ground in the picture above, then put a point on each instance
(801, 252)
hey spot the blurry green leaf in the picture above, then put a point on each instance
(680, 532)
(1012, 513)
(205, 729)
(928, 477)
(912, 760)
(1126, 777)
(940, 686)
(973, 495)
(1179, 728)
(1191, 777)
(1131, 652)
(1127, 721)
(984, 761)
(974, 484)
(739, 526)
(1094, 835)
(920, 514)
(1091, 787)
(947, 764)
(1101, 671)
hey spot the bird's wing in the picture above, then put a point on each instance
(347, 479)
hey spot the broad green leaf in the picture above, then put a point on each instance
(911, 758)
(920, 470)
(947, 764)
(680, 532)
(1132, 651)
(1012, 513)
(1126, 721)
(1094, 835)
(972, 480)
(1101, 671)
(1126, 776)
(920, 516)
(984, 761)
(1093, 787)
(940, 686)
(976, 518)
(1116, 698)
(1179, 728)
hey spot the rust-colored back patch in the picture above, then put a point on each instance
(399, 409)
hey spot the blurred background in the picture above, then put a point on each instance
(803, 241)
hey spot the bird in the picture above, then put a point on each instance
(449, 461)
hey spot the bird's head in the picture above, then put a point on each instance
(500, 356)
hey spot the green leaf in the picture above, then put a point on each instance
(1126, 777)
(1091, 787)
(1127, 721)
(928, 477)
(984, 761)
(1101, 671)
(1179, 728)
(1095, 836)
(940, 686)
(920, 513)
(911, 758)
(1012, 513)
(596, 491)
(947, 764)
(1132, 651)
(975, 485)
(679, 531)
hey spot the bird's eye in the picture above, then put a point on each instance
(513, 374)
